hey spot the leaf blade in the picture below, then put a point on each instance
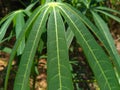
(109, 15)
(97, 59)
(108, 9)
(22, 77)
(4, 27)
(111, 48)
(60, 74)
(22, 34)
(69, 36)
(19, 23)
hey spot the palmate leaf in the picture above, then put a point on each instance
(25, 29)
(97, 58)
(106, 33)
(22, 78)
(58, 70)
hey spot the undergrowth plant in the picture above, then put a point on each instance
(61, 21)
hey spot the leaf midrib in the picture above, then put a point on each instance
(57, 43)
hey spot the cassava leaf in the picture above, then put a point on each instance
(6, 17)
(109, 15)
(19, 23)
(28, 9)
(98, 33)
(4, 27)
(5, 22)
(22, 77)
(100, 23)
(58, 69)
(108, 9)
(100, 36)
(25, 29)
(90, 25)
(95, 55)
(69, 36)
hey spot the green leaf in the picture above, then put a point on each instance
(6, 17)
(95, 55)
(86, 3)
(47, 1)
(5, 22)
(90, 25)
(8, 37)
(19, 23)
(7, 50)
(25, 29)
(58, 69)
(109, 15)
(31, 6)
(95, 30)
(22, 77)
(69, 36)
(59, 0)
(40, 46)
(100, 23)
(108, 9)
(43, 1)
(4, 27)
(28, 9)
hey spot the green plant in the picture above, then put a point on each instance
(51, 17)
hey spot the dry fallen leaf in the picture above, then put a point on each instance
(118, 46)
(41, 81)
(3, 64)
